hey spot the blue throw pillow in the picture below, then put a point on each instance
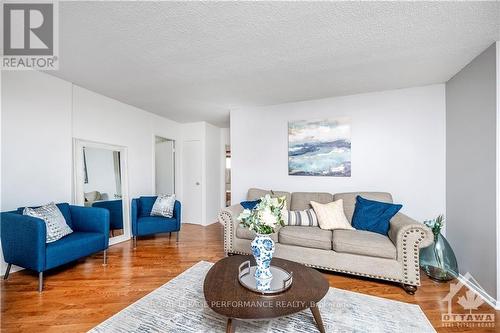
(373, 215)
(250, 204)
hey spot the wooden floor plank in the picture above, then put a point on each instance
(80, 295)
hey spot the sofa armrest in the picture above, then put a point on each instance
(227, 217)
(90, 219)
(409, 236)
(230, 214)
(134, 211)
(23, 240)
(177, 213)
(401, 226)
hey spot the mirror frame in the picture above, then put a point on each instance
(78, 181)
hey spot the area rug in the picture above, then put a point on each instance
(179, 306)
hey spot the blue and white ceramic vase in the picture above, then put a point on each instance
(262, 250)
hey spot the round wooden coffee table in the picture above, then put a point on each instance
(226, 296)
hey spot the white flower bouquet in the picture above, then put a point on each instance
(266, 217)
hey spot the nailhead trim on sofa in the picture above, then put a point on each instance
(411, 275)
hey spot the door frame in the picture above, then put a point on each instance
(174, 161)
(78, 181)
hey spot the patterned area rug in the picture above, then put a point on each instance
(179, 306)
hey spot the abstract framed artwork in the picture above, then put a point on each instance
(319, 147)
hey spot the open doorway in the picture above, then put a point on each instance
(227, 176)
(164, 165)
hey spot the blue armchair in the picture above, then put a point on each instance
(115, 213)
(144, 224)
(23, 239)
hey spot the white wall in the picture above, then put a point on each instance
(101, 119)
(398, 146)
(36, 139)
(101, 172)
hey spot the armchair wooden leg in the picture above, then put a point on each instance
(40, 282)
(7, 271)
(105, 260)
(409, 288)
(134, 240)
(169, 235)
(177, 235)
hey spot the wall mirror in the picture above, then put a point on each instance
(100, 181)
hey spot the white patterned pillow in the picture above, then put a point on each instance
(304, 218)
(55, 222)
(164, 206)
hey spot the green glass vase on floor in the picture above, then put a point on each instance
(438, 260)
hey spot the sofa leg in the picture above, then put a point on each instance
(169, 235)
(105, 260)
(7, 271)
(409, 288)
(40, 282)
(134, 240)
(177, 237)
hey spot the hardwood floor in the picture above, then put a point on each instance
(83, 294)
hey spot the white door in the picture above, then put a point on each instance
(191, 169)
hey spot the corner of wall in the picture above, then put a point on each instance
(498, 171)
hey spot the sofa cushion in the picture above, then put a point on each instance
(72, 247)
(155, 224)
(301, 200)
(256, 193)
(312, 237)
(364, 243)
(245, 233)
(350, 200)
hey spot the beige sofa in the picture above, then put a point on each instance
(393, 257)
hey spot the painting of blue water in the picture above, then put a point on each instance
(320, 147)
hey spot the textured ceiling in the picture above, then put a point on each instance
(192, 61)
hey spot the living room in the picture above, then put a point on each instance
(250, 166)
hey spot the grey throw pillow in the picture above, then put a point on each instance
(164, 205)
(55, 222)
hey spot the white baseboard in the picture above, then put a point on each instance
(481, 292)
